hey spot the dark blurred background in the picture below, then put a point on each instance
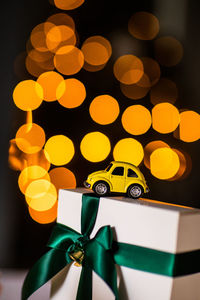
(22, 240)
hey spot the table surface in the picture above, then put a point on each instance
(11, 282)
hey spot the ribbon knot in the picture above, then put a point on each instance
(68, 245)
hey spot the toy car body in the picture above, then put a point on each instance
(118, 177)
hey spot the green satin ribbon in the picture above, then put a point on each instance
(64, 242)
(157, 262)
(101, 254)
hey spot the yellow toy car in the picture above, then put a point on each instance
(118, 177)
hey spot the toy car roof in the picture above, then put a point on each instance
(122, 163)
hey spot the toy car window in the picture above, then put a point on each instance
(118, 171)
(131, 173)
(108, 167)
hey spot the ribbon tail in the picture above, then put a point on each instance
(101, 261)
(85, 284)
(45, 268)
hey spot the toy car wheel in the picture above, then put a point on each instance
(101, 188)
(135, 191)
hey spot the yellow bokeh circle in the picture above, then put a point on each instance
(104, 109)
(136, 119)
(41, 195)
(164, 163)
(59, 150)
(129, 150)
(28, 95)
(30, 174)
(165, 117)
(150, 147)
(95, 146)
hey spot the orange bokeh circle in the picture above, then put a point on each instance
(50, 82)
(59, 36)
(71, 93)
(128, 69)
(104, 109)
(68, 4)
(62, 178)
(164, 91)
(165, 117)
(96, 50)
(136, 119)
(68, 60)
(168, 51)
(143, 25)
(46, 216)
(30, 138)
(189, 127)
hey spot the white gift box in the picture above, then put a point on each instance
(154, 225)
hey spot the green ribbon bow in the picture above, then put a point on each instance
(101, 254)
(68, 245)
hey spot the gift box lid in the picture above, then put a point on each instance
(146, 223)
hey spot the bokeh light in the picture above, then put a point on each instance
(95, 146)
(189, 127)
(62, 178)
(136, 119)
(50, 81)
(128, 150)
(91, 68)
(38, 36)
(104, 109)
(164, 163)
(128, 69)
(46, 216)
(28, 95)
(36, 68)
(68, 60)
(59, 36)
(30, 174)
(164, 91)
(30, 138)
(19, 160)
(15, 158)
(36, 159)
(143, 25)
(168, 51)
(150, 147)
(165, 117)
(68, 4)
(152, 72)
(71, 93)
(59, 150)
(183, 166)
(60, 19)
(134, 91)
(39, 57)
(41, 195)
(96, 50)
